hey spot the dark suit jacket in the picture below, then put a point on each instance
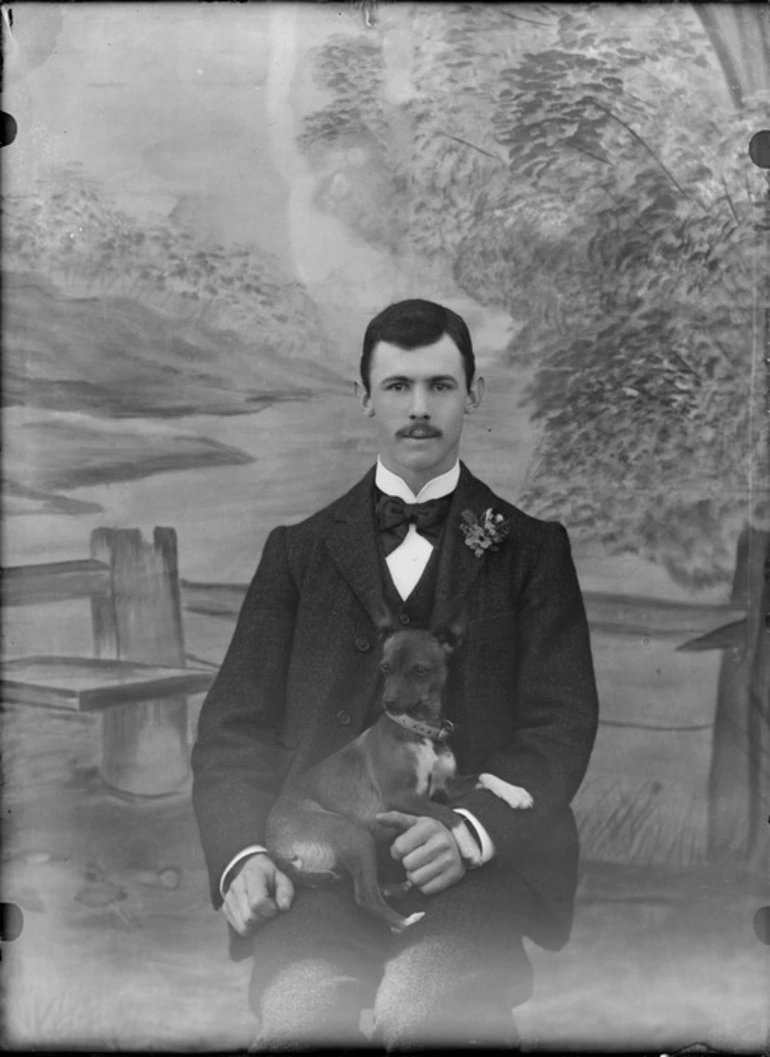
(302, 670)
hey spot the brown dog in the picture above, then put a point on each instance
(324, 822)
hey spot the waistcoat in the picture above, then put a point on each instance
(415, 611)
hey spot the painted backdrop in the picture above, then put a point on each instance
(203, 207)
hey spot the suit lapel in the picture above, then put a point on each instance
(352, 544)
(458, 565)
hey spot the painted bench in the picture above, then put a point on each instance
(138, 677)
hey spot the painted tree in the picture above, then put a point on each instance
(584, 168)
(740, 771)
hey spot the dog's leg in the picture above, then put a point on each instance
(513, 795)
(314, 846)
(357, 852)
(458, 785)
(297, 841)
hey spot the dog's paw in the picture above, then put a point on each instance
(411, 920)
(513, 795)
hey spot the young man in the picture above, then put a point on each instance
(300, 679)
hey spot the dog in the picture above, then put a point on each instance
(324, 822)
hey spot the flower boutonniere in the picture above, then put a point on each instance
(485, 532)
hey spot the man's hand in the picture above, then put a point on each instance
(427, 850)
(258, 892)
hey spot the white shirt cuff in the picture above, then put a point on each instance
(251, 850)
(487, 847)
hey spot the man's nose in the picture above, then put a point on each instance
(419, 405)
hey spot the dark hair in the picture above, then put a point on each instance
(411, 324)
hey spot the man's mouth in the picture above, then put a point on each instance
(419, 432)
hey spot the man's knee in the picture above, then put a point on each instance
(314, 970)
(444, 992)
(310, 1001)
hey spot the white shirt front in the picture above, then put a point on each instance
(407, 562)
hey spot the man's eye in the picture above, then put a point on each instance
(420, 671)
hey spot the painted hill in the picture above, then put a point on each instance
(118, 356)
(47, 454)
(117, 316)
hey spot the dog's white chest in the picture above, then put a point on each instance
(425, 760)
(432, 766)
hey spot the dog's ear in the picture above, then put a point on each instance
(384, 621)
(450, 630)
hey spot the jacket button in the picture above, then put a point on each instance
(362, 644)
(404, 618)
(343, 717)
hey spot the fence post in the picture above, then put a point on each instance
(759, 710)
(144, 744)
(738, 781)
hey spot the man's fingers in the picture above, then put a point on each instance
(438, 884)
(396, 820)
(265, 909)
(252, 897)
(413, 838)
(243, 921)
(258, 893)
(437, 875)
(245, 914)
(423, 874)
(425, 854)
(232, 919)
(425, 833)
(284, 891)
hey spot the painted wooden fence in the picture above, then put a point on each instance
(139, 677)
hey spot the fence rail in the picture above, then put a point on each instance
(54, 581)
(632, 615)
(613, 614)
(137, 604)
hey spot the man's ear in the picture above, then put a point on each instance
(364, 398)
(475, 393)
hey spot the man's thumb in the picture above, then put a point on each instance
(284, 891)
(396, 820)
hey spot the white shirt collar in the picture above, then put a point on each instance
(391, 484)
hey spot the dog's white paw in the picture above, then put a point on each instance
(411, 920)
(513, 795)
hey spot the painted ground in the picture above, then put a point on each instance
(121, 950)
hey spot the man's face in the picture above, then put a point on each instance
(418, 398)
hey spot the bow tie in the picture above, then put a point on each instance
(394, 517)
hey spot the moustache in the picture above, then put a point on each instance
(419, 430)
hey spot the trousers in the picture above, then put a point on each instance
(451, 979)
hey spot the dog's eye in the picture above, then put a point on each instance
(384, 667)
(420, 671)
